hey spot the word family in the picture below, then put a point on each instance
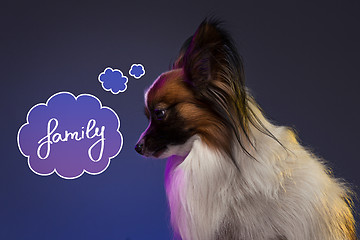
(90, 132)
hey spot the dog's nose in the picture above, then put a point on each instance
(140, 146)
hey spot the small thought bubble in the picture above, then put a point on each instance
(70, 135)
(113, 80)
(137, 70)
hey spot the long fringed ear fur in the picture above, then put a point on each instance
(208, 53)
(211, 56)
(213, 69)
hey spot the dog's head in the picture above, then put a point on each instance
(203, 95)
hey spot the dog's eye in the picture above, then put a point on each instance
(159, 114)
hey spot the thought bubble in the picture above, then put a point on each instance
(70, 135)
(137, 70)
(113, 80)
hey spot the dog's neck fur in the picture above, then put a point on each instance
(206, 191)
(210, 199)
(203, 188)
(191, 190)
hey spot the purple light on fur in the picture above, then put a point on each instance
(70, 135)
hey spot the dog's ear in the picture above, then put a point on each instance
(214, 71)
(207, 55)
(179, 62)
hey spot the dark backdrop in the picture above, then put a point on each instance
(302, 64)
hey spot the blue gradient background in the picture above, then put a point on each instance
(302, 64)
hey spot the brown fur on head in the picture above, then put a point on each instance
(204, 94)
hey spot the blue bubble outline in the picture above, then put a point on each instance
(46, 104)
(137, 65)
(113, 70)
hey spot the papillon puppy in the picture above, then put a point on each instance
(231, 173)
